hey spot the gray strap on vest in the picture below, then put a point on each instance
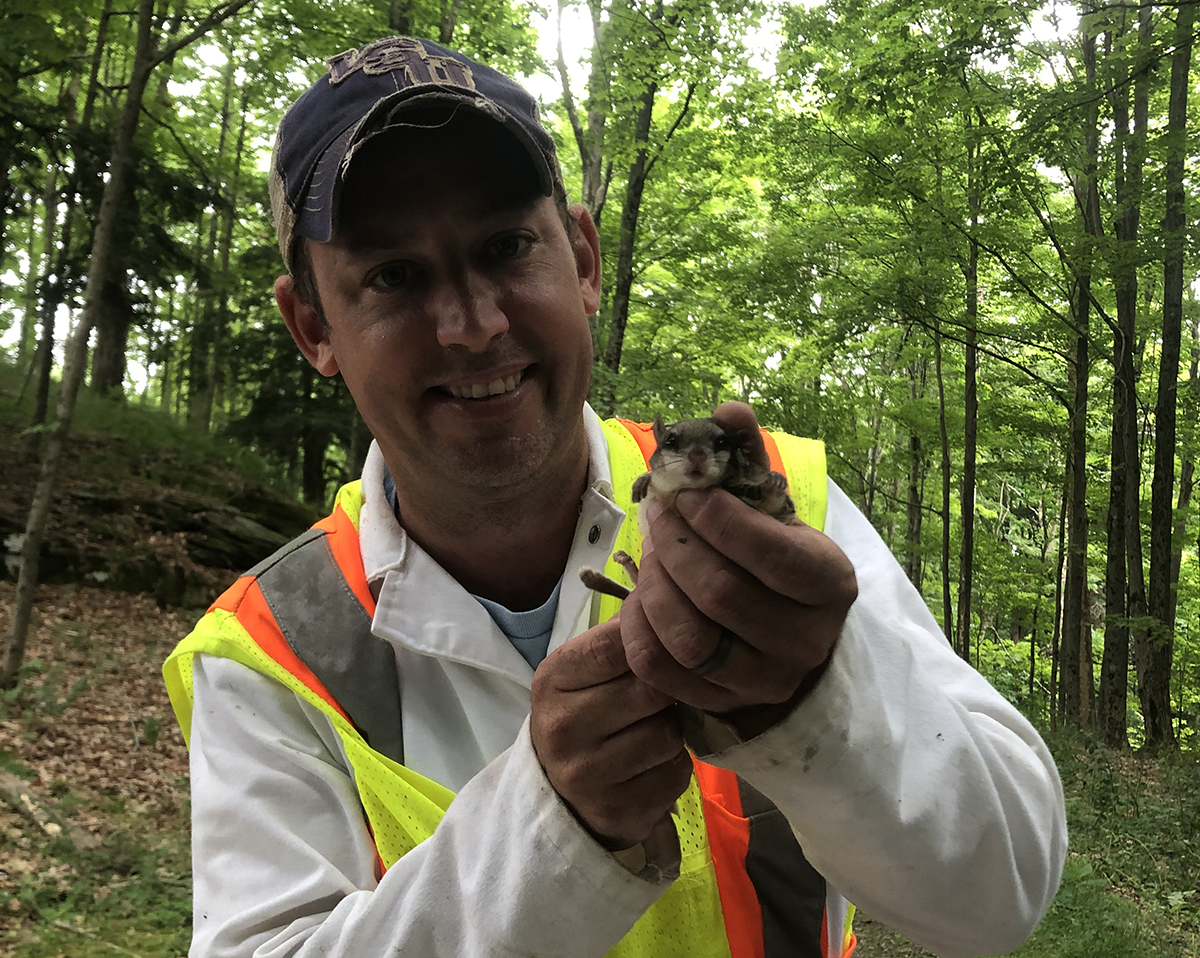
(330, 631)
(790, 891)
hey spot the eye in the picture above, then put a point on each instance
(670, 442)
(721, 443)
(389, 276)
(509, 246)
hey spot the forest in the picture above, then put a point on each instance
(956, 241)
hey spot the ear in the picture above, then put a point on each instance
(307, 328)
(658, 428)
(587, 257)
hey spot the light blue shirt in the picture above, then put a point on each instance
(529, 632)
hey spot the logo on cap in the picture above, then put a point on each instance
(407, 58)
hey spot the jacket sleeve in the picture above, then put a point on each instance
(913, 786)
(284, 864)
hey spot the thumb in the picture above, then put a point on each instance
(737, 416)
(593, 658)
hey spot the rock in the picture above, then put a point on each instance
(227, 539)
(276, 513)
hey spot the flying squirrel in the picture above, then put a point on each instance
(698, 454)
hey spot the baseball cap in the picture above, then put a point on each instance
(368, 90)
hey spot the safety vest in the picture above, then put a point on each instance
(744, 890)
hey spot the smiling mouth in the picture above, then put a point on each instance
(496, 387)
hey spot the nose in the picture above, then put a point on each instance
(467, 314)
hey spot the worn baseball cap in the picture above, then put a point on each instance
(369, 90)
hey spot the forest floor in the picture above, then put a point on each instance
(91, 737)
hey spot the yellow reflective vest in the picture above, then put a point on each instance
(744, 889)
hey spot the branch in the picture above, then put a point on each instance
(25, 800)
(687, 103)
(962, 231)
(568, 99)
(1050, 234)
(987, 351)
(197, 166)
(214, 17)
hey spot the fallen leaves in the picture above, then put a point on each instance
(90, 732)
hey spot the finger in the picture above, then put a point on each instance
(646, 744)
(595, 657)
(608, 759)
(797, 561)
(737, 416)
(666, 649)
(657, 666)
(690, 577)
(569, 720)
(625, 813)
(699, 578)
(676, 624)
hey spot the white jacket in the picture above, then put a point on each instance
(912, 785)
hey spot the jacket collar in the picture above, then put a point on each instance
(420, 606)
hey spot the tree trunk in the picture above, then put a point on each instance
(1056, 631)
(916, 482)
(1114, 667)
(448, 21)
(84, 167)
(166, 381)
(113, 319)
(623, 283)
(29, 310)
(1187, 473)
(1156, 698)
(1088, 199)
(216, 380)
(43, 357)
(1125, 466)
(590, 140)
(400, 18)
(76, 355)
(201, 360)
(1077, 519)
(944, 438)
(75, 360)
(966, 561)
(314, 440)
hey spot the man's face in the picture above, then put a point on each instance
(457, 312)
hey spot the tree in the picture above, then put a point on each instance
(1157, 653)
(146, 57)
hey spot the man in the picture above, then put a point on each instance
(409, 733)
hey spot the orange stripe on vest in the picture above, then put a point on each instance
(245, 600)
(729, 838)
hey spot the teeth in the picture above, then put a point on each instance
(482, 390)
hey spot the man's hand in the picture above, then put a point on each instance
(783, 590)
(611, 745)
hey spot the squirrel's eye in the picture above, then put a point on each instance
(721, 443)
(670, 442)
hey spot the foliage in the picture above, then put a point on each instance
(133, 438)
(830, 239)
(1139, 822)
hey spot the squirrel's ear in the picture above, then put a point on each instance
(658, 428)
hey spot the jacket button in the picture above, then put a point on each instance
(594, 535)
